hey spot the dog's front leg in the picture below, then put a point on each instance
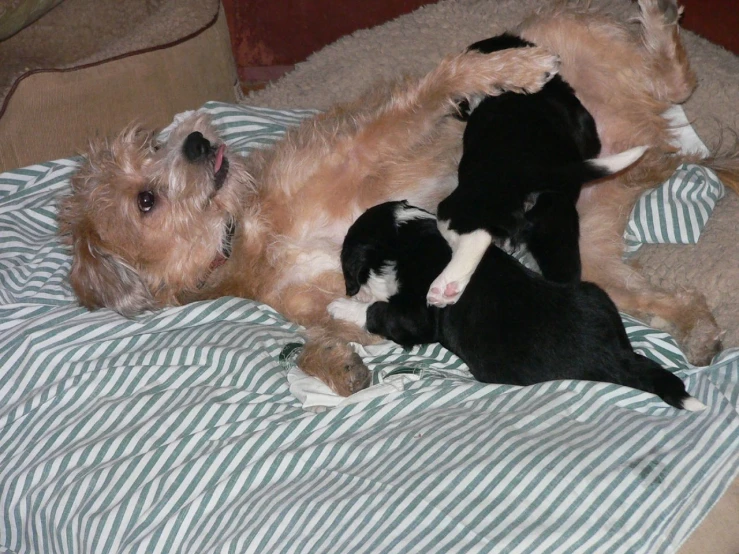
(467, 251)
(328, 356)
(412, 109)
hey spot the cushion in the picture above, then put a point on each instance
(16, 14)
(94, 66)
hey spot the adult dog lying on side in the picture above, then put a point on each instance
(510, 326)
(152, 225)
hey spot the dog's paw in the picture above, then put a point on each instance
(335, 362)
(443, 292)
(349, 310)
(358, 377)
(692, 326)
(535, 68)
(702, 342)
(668, 11)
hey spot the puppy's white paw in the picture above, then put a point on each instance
(444, 292)
(468, 250)
(349, 310)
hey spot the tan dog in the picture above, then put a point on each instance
(154, 225)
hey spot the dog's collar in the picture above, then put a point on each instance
(225, 252)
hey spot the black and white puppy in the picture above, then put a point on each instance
(518, 147)
(510, 326)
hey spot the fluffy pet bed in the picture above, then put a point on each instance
(414, 42)
(89, 67)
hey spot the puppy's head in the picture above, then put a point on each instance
(149, 221)
(369, 244)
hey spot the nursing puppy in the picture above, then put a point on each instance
(515, 146)
(510, 326)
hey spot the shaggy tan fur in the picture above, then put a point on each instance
(293, 203)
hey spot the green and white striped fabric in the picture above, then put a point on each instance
(175, 432)
(676, 211)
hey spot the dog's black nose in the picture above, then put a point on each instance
(196, 147)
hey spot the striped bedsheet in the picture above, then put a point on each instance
(176, 431)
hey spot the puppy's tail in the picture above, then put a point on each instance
(609, 165)
(573, 176)
(652, 377)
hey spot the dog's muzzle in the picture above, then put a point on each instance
(197, 148)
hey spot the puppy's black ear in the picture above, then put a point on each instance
(102, 280)
(354, 264)
(352, 287)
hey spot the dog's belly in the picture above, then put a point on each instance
(310, 248)
(429, 192)
(309, 265)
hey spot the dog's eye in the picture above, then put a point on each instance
(146, 200)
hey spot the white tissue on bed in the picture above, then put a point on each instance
(316, 396)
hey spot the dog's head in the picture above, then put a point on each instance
(149, 221)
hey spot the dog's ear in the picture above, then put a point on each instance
(102, 280)
(352, 284)
(356, 265)
(352, 266)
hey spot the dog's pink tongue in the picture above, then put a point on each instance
(219, 158)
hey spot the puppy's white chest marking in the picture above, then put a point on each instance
(380, 286)
(409, 213)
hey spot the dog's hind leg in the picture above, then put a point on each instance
(673, 80)
(633, 74)
(684, 314)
